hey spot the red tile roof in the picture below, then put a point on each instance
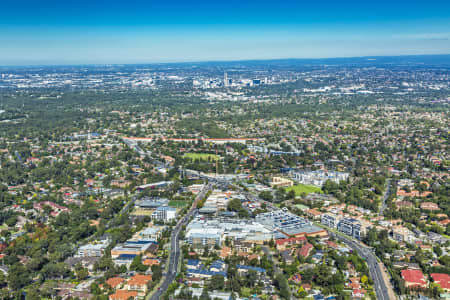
(291, 241)
(442, 279)
(139, 280)
(123, 295)
(114, 281)
(413, 277)
(306, 249)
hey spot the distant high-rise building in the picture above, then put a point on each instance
(225, 79)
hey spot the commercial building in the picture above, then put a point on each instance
(319, 177)
(201, 232)
(288, 224)
(131, 248)
(164, 213)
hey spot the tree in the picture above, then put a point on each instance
(234, 205)
(156, 273)
(216, 283)
(364, 279)
(438, 251)
(82, 273)
(18, 276)
(136, 264)
(283, 286)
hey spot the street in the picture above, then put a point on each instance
(385, 196)
(381, 287)
(175, 253)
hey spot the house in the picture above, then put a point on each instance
(124, 295)
(331, 244)
(217, 266)
(429, 206)
(202, 273)
(150, 262)
(225, 252)
(244, 269)
(283, 244)
(195, 280)
(358, 293)
(115, 282)
(305, 250)
(287, 257)
(414, 278)
(86, 262)
(407, 265)
(194, 264)
(56, 209)
(297, 278)
(442, 279)
(138, 283)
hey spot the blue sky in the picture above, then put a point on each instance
(135, 31)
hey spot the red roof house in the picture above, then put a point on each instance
(414, 278)
(305, 250)
(442, 279)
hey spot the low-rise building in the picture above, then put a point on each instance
(442, 279)
(95, 249)
(124, 295)
(414, 278)
(130, 248)
(138, 283)
(278, 182)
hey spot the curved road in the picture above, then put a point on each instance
(174, 257)
(382, 288)
(387, 192)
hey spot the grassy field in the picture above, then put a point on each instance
(177, 203)
(303, 188)
(201, 156)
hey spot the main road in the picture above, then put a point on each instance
(382, 287)
(387, 192)
(175, 252)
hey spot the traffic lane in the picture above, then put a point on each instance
(374, 270)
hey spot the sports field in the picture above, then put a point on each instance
(201, 156)
(303, 188)
(177, 203)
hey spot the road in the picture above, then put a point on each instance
(175, 252)
(267, 252)
(385, 196)
(381, 286)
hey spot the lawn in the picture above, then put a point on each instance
(303, 188)
(201, 156)
(177, 203)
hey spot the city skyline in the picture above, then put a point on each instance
(48, 32)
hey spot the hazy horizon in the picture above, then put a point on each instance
(111, 32)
